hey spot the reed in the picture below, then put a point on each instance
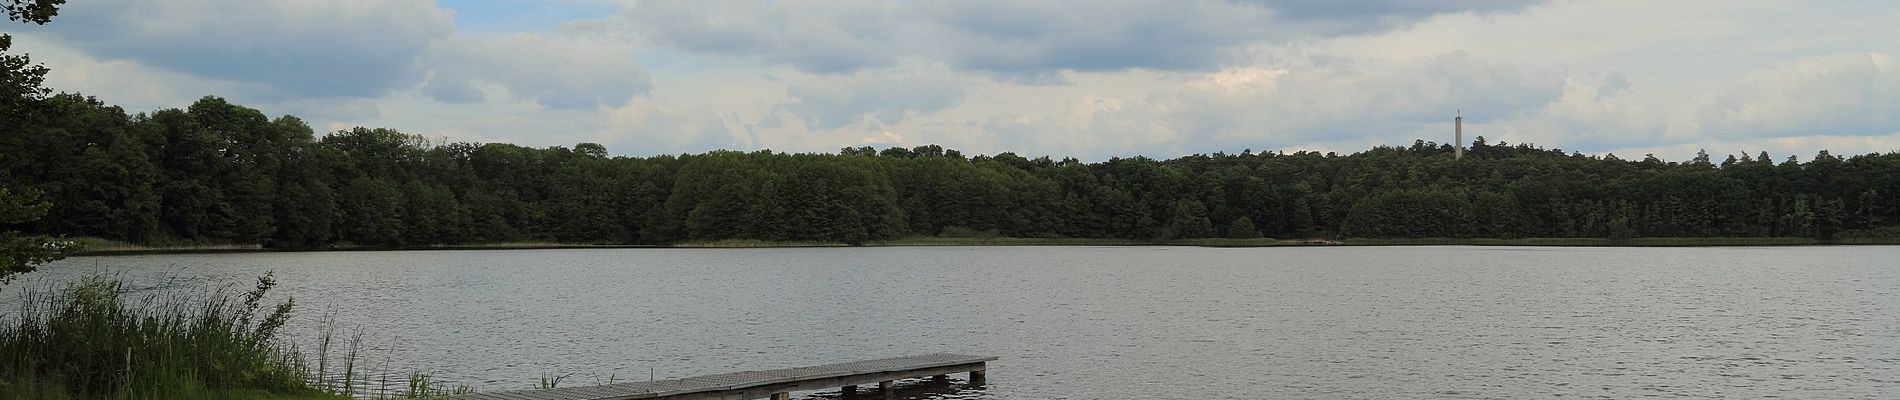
(97, 338)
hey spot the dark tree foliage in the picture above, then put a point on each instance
(22, 105)
(219, 172)
(23, 253)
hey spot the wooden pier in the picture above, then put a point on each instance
(776, 384)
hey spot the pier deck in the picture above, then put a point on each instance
(774, 383)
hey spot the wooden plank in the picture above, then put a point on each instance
(758, 384)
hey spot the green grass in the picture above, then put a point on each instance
(96, 339)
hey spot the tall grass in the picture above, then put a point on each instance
(94, 339)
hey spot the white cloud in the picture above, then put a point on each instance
(644, 127)
(1842, 94)
(835, 101)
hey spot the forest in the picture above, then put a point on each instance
(218, 172)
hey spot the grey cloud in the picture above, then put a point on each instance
(1475, 83)
(1017, 38)
(452, 88)
(349, 109)
(1360, 16)
(1021, 41)
(1613, 83)
(821, 37)
(833, 102)
(291, 50)
(552, 70)
(356, 48)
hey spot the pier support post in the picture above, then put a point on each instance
(940, 378)
(977, 375)
(782, 396)
(849, 389)
(884, 387)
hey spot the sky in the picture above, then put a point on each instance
(1086, 79)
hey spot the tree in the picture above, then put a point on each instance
(20, 92)
(1619, 229)
(1242, 228)
(20, 78)
(370, 212)
(1188, 220)
(31, 11)
(23, 253)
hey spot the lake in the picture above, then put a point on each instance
(1114, 322)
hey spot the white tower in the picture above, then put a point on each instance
(1458, 138)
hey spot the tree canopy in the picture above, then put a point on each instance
(221, 172)
(20, 94)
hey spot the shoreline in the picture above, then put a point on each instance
(122, 249)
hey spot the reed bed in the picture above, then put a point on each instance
(99, 339)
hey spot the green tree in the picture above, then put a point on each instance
(1242, 228)
(1188, 220)
(371, 212)
(20, 78)
(23, 253)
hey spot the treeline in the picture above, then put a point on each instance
(218, 172)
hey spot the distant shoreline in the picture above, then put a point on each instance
(119, 248)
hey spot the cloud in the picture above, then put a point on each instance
(359, 48)
(1014, 39)
(1021, 41)
(301, 55)
(835, 101)
(1841, 94)
(644, 127)
(125, 83)
(814, 36)
(1360, 16)
(552, 70)
(1343, 101)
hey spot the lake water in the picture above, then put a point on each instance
(1118, 322)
